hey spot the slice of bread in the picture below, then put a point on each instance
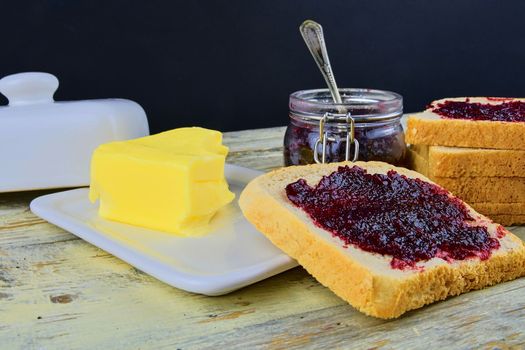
(506, 214)
(485, 189)
(366, 280)
(429, 128)
(508, 219)
(500, 208)
(470, 188)
(458, 161)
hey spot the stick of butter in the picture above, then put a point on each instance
(172, 181)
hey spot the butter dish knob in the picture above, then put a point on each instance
(29, 88)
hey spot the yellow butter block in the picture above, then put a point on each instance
(194, 141)
(173, 181)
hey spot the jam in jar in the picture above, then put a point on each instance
(368, 121)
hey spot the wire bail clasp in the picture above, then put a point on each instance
(324, 137)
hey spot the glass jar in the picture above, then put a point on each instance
(368, 121)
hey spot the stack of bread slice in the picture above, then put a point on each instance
(480, 161)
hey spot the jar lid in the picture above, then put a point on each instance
(364, 105)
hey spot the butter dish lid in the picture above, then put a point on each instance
(29, 88)
(48, 144)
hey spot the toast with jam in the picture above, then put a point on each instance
(481, 122)
(383, 238)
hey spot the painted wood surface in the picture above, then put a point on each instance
(59, 292)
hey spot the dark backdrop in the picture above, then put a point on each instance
(230, 65)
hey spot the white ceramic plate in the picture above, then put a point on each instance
(230, 257)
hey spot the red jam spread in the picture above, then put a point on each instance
(507, 111)
(391, 214)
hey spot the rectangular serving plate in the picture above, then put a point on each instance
(233, 255)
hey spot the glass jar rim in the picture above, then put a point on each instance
(364, 105)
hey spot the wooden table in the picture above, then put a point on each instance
(59, 292)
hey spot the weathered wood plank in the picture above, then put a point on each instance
(57, 291)
(263, 152)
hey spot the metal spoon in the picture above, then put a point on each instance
(312, 33)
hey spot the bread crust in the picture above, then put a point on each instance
(472, 162)
(465, 133)
(506, 214)
(500, 208)
(485, 189)
(508, 219)
(472, 189)
(382, 295)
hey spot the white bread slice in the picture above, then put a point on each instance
(366, 280)
(459, 161)
(500, 198)
(517, 208)
(470, 187)
(508, 219)
(485, 189)
(429, 128)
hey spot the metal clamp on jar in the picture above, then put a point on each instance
(324, 137)
(369, 129)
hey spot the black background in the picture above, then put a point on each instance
(231, 65)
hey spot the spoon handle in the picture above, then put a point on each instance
(312, 33)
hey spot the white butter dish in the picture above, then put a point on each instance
(230, 257)
(48, 144)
